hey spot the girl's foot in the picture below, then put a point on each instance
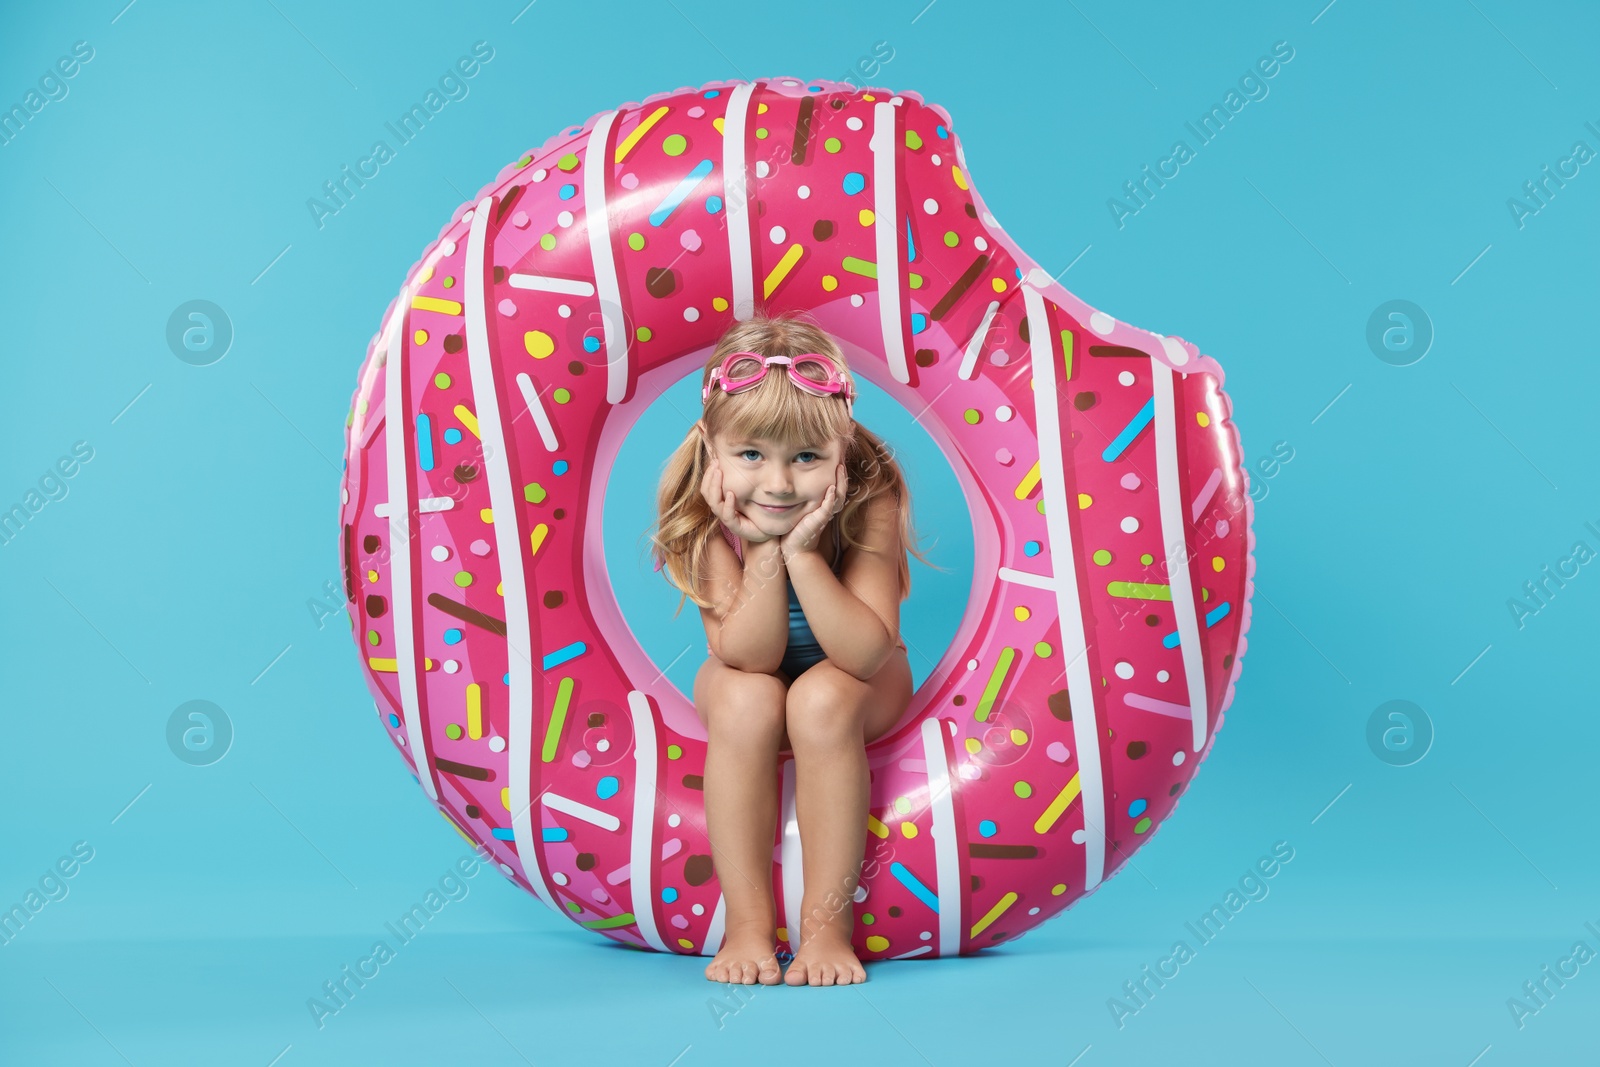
(825, 958)
(746, 957)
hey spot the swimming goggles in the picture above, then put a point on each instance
(742, 370)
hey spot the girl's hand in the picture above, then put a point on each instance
(803, 537)
(724, 507)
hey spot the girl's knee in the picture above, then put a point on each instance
(744, 707)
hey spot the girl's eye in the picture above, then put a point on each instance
(812, 454)
(747, 452)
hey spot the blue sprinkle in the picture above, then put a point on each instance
(814, 89)
(564, 653)
(569, 191)
(854, 182)
(452, 636)
(394, 720)
(559, 466)
(424, 441)
(506, 678)
(943, 133)
(1170, 641)
(903, 875)
(1031, 548)
(1019, 272)
(713, 93)
(554, 833)
(1216, 613)
(452, 436)
(919, 322)
(669, 894)
(713, 204)
(987, 828)
(911, 245)
(591, 344)
(504, 833)
(607, 787)
(1136, 809)
(1120, 443)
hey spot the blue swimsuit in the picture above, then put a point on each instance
(802, 652)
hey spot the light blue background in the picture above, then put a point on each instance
(1419, 500)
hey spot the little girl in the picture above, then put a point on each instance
(788, 523)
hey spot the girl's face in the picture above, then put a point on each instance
(760, 472)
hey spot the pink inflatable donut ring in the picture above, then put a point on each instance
(1110, 594)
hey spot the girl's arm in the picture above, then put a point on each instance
(750, 627)
(855, 616)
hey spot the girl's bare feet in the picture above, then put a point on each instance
(746, 957)
(825, 958)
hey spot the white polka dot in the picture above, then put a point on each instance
(980, 244)
(934, 159)
(540, 174)
(691, 314)
(1178, 757)
(896, 100)
(1003, 413)
(506, 870)
(558, 878)
(1033, 911)
(856, 300)
(1129, 524)
(1162, 676)
(1222, 527)
(1101, 323)
(926, 935)
(497, 744)
(440, 552)
(344, 496)
(674, 819)
(804, 192)
(1125, 378)
(400, 739)
(699, 909)
(451, 666)
(602, 745)
(761, 168)
(466, 216)
(448, 247)
(1037, 277)
(931, 206)
(564, 219)
(564, 311)
(853, 122)
(972, 664)
(988, 219)
(1177, 355)
(999, 357)
(777, 235)
(1124, 669)
(1079, 837)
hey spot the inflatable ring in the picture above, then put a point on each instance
(1110, 591)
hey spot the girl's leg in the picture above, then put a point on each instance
(743, 713)
(831, 717)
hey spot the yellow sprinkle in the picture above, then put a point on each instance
(994, 913)
(909, 829)
(1022, 614)
(474, 710)
(1202, 418)
(420, 337)
(499, 588)
(1217, 563)
(866, 216)
(505, 797)
(427, 273)
(639, 131)
(781, 271)
(719, 303)
(829, 282)
(1068, 794)
(1084, 500)
(1029, 480)
(998, 284)
(468, 419)
(974, 746)
(876, 826)
(761, 109)
(717, 122)
(387, 666)
(433, 303)
(486, 514)
(877, 943)
(1019, 737)
(961, 181)
(538, 343)
(372, 576)
(536, 538)
(868, 96)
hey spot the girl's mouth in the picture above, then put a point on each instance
(779, 511)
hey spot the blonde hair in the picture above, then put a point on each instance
(775, 409)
